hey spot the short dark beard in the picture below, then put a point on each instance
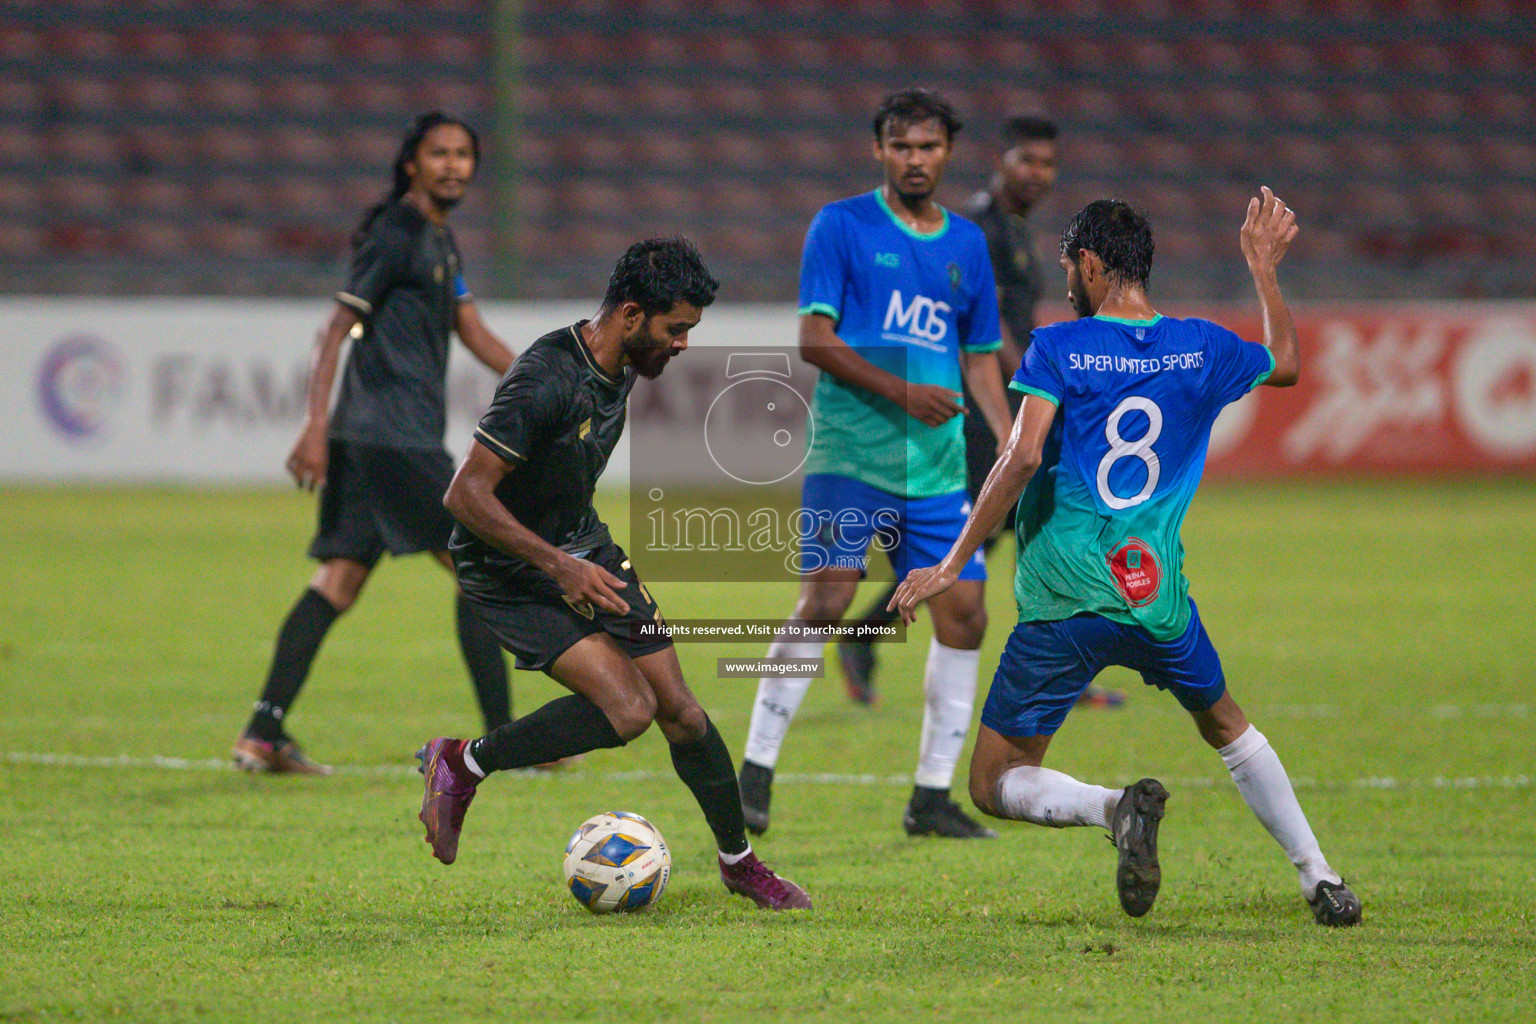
(1080, 303)
(644, 359)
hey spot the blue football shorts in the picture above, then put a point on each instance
(1046, 666)
(841, 515)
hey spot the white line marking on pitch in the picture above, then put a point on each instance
(183, 764)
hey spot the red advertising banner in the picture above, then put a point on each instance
(1387, 389)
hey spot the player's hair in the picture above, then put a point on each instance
(657, 274)
(907, 107)
(423, 124)
(1028, 128)
(1119, 233)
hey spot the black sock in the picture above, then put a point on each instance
(877, 615)
(705, 767)
(562, 728)
(487, 667)
(297, 643)
(927, 797)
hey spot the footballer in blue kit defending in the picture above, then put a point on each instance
(897, 302)
(1103, 460)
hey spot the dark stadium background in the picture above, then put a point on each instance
(225, 147)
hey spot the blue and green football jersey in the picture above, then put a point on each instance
(909, 303)
(1098, 526)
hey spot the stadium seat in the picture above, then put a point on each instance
(23, 241)
(1507, 156)
(1499, 105)
(736, 151)
(674, 151)
(81, 42)
(300, 95)
(1284, 57)
(592, 197)
(806, 53)
(156, 195)
(369, 48)
(1096, 153)
(1161, 106)
(229, 195)
(149, 148)
(459, 97)
(1010, 54)
(19, 194)
(155, 94)
(229, 45)
(227, 94)
(377, 96)
(83, 94)
(93, 147)
(81, 239)
(232, 238)
(159, 43)
(660, 98)
(586, 152)
(231, 147)
(20, 43)
(21, 96)
(1292, 105)
(733, 98)
(297, 197)
(1363, 107)
(1232, 106)
(140, 237)
(451, 49)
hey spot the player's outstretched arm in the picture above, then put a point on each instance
(1267, 233)
(472, 499)
(985, 377)
(480, 339)
(307, 462)
(1009, 476)
(822, 348)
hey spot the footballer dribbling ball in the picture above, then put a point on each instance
(617, 862)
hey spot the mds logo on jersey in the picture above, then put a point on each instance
(921, 318)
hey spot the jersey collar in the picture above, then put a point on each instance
(920, 236)
(1128, 323)
(586, 353)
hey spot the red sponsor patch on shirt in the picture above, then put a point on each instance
(1138, 576)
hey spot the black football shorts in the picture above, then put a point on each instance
(379, 499)
(533, 620)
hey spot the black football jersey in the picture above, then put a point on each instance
(406, 283)
(556, 418)
(1014, 263)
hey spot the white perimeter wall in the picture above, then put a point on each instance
(212, 390)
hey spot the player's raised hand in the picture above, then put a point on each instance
(919, 586)
(308, 460)
(585, 584)
(1268, 230)
(932, 404)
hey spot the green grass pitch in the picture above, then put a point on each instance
(1381, 635)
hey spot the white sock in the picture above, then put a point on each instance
(735, 858)
(471, 763)
(777, 701)
(1261, 778)
(949, 691)
(1051, 798)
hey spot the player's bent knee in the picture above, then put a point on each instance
(984, 793)
(691, 723)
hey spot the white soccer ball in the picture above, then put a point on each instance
(617, 862)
